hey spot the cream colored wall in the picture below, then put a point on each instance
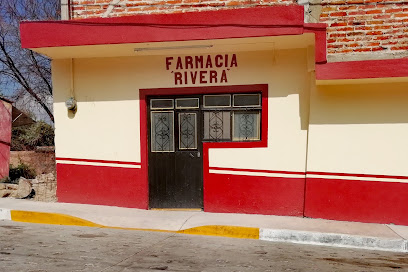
(359, 129)
(106, 125)
(288, 104)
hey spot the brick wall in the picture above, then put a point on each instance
(357, 29)
(97, 8)
(369, 28)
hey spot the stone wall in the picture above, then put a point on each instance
(42, 188)
(357, 29)
(41, 162)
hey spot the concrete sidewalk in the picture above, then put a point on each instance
(263, 227)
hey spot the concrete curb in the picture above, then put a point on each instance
(334, 239)
(273, 235)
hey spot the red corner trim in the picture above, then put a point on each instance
(319, 30)
(363, 69)
(97, 161)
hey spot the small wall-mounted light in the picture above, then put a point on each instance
(197, 46)
(71, 104)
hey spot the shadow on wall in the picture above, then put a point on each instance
(381, 103)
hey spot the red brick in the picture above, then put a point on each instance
(340, 13)
(401, 47)
(379, 48)
(362, 49)
(374, 33)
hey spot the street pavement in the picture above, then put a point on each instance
(28, 247)
(263, 227)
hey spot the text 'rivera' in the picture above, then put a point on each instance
(199, 63)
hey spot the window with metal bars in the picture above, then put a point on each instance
(235, 117)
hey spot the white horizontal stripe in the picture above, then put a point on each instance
(357, 178)
(267, 174)
(257, 174)
(99, 164)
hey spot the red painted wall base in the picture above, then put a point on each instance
(250, 194)
(5, 136)
(353, 200)
(4, 160)
(113, 186)
(346, 200)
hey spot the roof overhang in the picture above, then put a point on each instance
(362, 72)
(6, 100)
(98, 37)
(246, 29)
(20, 118)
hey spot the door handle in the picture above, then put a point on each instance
(192, 156)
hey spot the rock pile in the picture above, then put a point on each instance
(42, 188)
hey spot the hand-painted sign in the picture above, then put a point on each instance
(201, 69)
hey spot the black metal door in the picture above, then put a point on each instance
(175, 153)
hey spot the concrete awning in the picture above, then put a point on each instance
(249, 28)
